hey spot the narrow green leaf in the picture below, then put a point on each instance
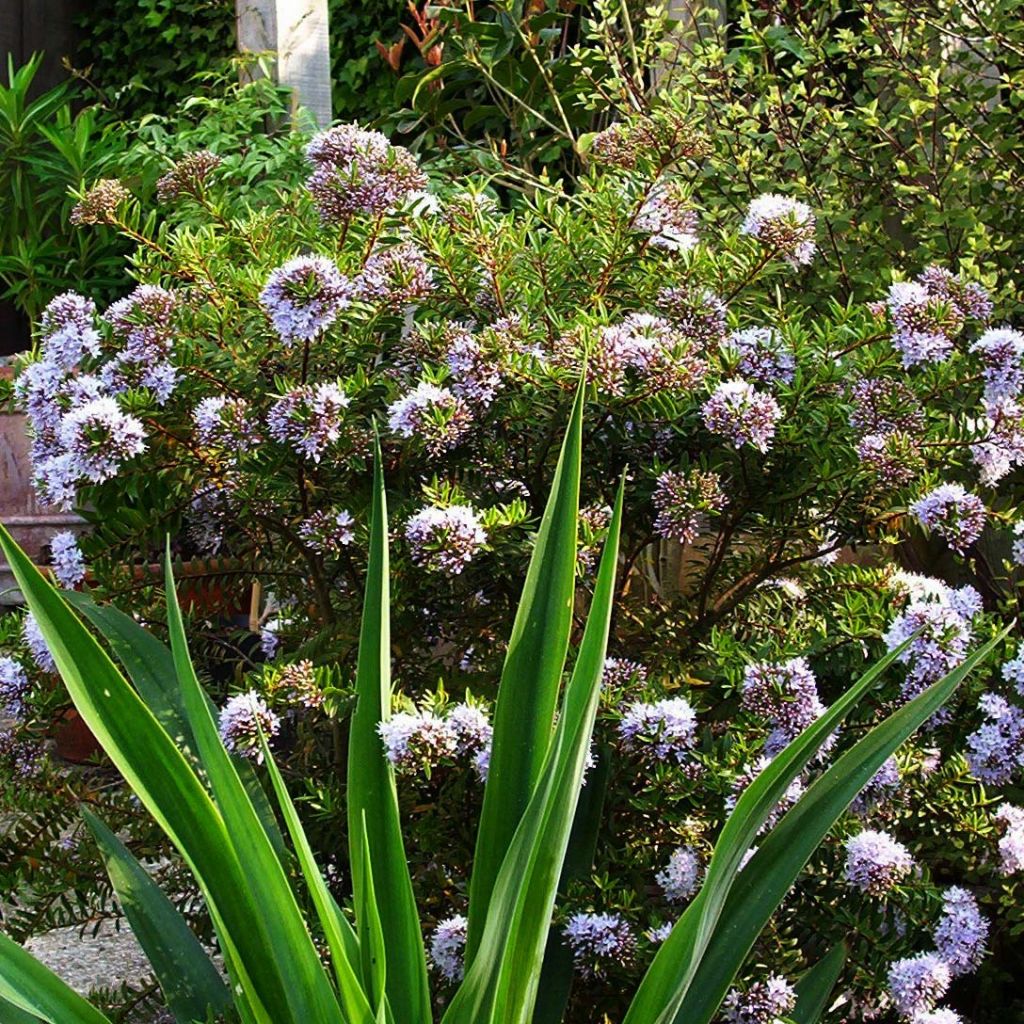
(35, 989)
(670, 975)
(11, 1014)
(371, 935)
(372, 799)
(815, 987)
(761, 886)
(501, 982)
(189, 981)
(341, 940)
(531, 677)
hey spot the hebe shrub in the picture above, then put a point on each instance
(771, 453)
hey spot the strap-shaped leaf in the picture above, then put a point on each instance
(372, 799)
(815, 987)
(341, 940)
(761, 886)
(189, 981)
(35, 989)
(531, 677)
(670, 975)
(501, 982)
(11, 1014)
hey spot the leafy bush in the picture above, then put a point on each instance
(162, 736)
(775, 455)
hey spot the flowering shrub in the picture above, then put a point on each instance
(232, 398)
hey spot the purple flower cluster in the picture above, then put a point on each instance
(681, 877)
(328, 532)
(435, 416)
(662, 729)
(668, 217)
(421, 741)
(445, 539)
(737, 411)
(448, 947)
(943, 617)
(961, 933)
(1013, 671)
(1011, 843)
(883, 405)
(359, 172)
(309, 418)
(598, 941)
(764, 1002)
(36, 644)
(893, 459)
(304, 297)
(188, 176)
(928, 314)
(875, 862)
(1001, 351)
(1018, 543)
(14, 687)
(295, 685)
(794, 791)
(396, 276)
(1001, 445)
(953, 513)
(917, 983)
(783, 225)
(97, 438)
(995, 751)
(66, 559)
(242, 719)
(475, 374)
(67, 330)
(697, 313)
(763, 356)
(620, 672)
(225, 423)
(786, 695)
(684, 501)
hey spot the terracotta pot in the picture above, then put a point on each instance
(72, 738)
(31, 523)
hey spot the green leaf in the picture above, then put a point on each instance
(11, 1014)
(530, 678)
(189, 981)
(35, 989)
(371, 936)
(815, 987)
(501, 983)
(372, 799)
(761, 886)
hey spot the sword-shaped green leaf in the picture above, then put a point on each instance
(815, 987)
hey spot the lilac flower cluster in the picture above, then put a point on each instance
(308, 418)
(421, 741)
(783, 225)
(619, 672)
(396, 276)
(598, 941)
(894, 459)
(242, 719)
(928, 314)
(188, 176)
(883, 405)
(668, 217)
(697, 313)
(943, 617)
(739, 412)
(953, 513)
(875, 862)
(681, 877)
(1001, 445)
(794, 791)
(445, 539)
(995, 751)
(295, 685)
(764, 1002)
(328, 532)
(917, 983)
(66, 559)
(662, 729)
(32, 635)
(14, 687)
(763, 355)
(225, 423)
(435, 416)
(304, 297)
(476, 376)
(786, 695)
(1013, 671)
(97, 438)
(961, 933)
(1011, 842)
(1001, 351)
(100, 203)
(359, 172)
(684, 501)
(67, 330)
(448, 947)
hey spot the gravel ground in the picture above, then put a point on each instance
(86, 962)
